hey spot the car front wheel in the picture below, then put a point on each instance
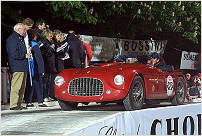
(135, 98)
(67, 106)
(180, 93)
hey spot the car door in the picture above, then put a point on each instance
(157, 84)
(151, 77)
(168, 84)
(162, 85)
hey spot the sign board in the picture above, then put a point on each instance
(171, 120)
(104, 48)
(190, 60)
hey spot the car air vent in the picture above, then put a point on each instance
(86, 87)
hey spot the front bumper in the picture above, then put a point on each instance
(116, 92)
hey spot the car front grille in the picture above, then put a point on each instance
(86, 87)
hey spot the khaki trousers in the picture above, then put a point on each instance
(18, 84)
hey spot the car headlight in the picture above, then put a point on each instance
(59, 80)
(118, 79)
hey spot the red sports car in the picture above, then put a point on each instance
(132, 84)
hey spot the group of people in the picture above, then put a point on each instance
(45, 53)
(36, 56)
(193, 86)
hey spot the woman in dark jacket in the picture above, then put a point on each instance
(38, 71)
(61, 50)
(48, 53)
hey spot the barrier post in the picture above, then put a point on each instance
(4, 85)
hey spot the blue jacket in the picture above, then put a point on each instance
(16, 50)
(38, 59)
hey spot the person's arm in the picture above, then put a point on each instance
(63, 49)
(51, 59)
(39, 59)
(16, 50)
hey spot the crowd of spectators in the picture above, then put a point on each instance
(45, 53)
(193, 86)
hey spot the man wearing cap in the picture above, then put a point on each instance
(158, 62)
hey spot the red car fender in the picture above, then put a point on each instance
(66, 75)
(129, 75)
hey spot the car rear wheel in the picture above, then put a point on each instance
(135, 98)
(180, 93)
(67, 106)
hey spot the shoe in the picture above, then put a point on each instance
(15, 108)
(30, 105)
(22, 108)
(51, 99)
(46, 100)
(43, 105)
(18, 108)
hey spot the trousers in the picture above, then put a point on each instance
(18, 84)
(48, 85)
(38, 87)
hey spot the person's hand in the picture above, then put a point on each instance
(53, 45)
(30, 48)
(27, 56)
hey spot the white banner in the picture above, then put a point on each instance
(104, 48)
(190, 60)
(172, 120)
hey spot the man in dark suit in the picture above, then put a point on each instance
(18, 64)
(77, 52)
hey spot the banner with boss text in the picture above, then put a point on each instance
(103, 48)
(171, 120)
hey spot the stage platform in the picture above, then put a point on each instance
(104, 120)
(170, 120)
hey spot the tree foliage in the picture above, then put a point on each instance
(7, 10)
(182, 17)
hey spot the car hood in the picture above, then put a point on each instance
(107, 68)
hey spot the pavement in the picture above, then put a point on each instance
(53, 105)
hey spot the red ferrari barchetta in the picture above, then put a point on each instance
(132, 84)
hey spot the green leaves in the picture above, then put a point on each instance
(73, 10)
(181, 17)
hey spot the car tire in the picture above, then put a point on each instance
(67, 106)
(135, 98)
(179, 97)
